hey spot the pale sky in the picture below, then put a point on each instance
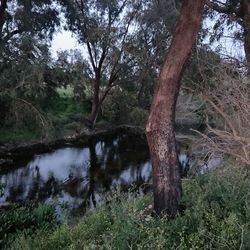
(64, 40)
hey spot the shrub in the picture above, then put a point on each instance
(217, 216)
(117, 106)
(228, 115)
(25, 220)
(138, 116)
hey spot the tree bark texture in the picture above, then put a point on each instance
(160, 127)
(246, 22)
(95, 102)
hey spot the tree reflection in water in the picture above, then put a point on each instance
(80, 176)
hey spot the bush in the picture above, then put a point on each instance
(228, 114)
(217, 216)
(138, 117)
(117, 106)
(25, 220)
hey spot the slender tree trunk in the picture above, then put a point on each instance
(98, 100)
(95, 101)
(246, 24)
(94, 113)
(3, 7)
(160, 127)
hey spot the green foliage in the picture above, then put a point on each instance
(27, 17)
(217, 216)
(122, 107)
(138, 116)
(65, 113)
(25, 220)
(30, 82)
(117, 106)
(18, 135)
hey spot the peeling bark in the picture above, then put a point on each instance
(160, 127)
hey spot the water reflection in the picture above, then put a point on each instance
(79, 176)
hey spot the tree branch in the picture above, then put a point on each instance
(11, 34)
(223, 8)
(3, 7)
(91, 57)
(102, 58)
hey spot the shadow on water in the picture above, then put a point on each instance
(79, 176)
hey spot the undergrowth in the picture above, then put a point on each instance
(18, 135)
(25, 220)
(217, 216)
(64, 115)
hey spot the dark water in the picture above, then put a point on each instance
(78, 176)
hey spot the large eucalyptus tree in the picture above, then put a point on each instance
(160, 127)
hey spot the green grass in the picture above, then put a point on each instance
(65, 92)
(18, 135)
(217, 216)
(26, 220)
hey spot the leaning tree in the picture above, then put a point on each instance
(160, 127)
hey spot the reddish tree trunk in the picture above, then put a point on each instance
(246, 22)
(160, 127)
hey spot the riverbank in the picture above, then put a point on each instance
(11, 154)
(216, 216)
(18, 153)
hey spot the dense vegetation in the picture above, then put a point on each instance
(216, 216)
(26, 220)
(111, 82)
(125, 42)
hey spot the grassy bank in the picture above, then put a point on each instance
(63, 115)
(217, 216)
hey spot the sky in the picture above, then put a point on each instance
(65, 40)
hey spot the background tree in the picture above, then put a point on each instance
(104, 28)
(160, 127)
(233, 12)
(32, 18)
(26, 28)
